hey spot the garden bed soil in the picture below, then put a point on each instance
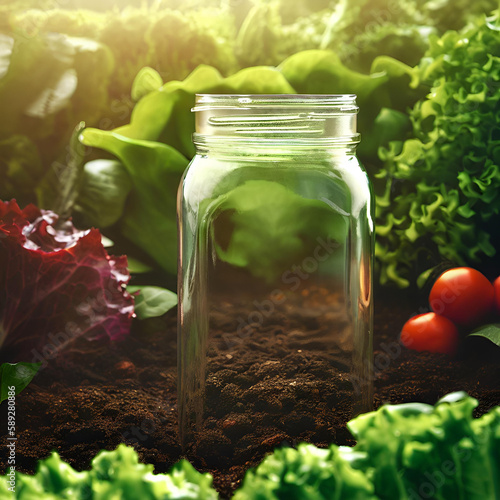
(98, 395)
(282, 379)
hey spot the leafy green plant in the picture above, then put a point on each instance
(181, 42)
(264, 38)
(322, 72)
(152, 301)
(104, 188)
(305, 473)
(273, 227)
(18, 375)
(441, 185)
(153, 146)
(359, 30)
(154, 169)
(88, 75)
(43, 110)
(412, 448)
(454, 15)
(490, 332)
(115, 474)
(403, 451)
(406, 43)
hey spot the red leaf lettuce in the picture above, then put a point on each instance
(56, 284)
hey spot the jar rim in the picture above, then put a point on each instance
(342, 102)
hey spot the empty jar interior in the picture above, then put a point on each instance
(275, 279)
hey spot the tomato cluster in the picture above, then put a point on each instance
(461, 298)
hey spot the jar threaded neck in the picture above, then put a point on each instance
(267, 120)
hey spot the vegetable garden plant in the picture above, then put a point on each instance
(402, 451)
(99, 135)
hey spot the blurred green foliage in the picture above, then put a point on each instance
(60, 66)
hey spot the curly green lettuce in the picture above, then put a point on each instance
(415, 450)
(403, 452)
(305, 473)
(115, 474)
(440, 196)
(360, 30)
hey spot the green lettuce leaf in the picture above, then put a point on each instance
(104, 188)
(305, 473)
(150, 150)
(322, 72)
(115, 474)
(149, 219)
(165, 115)
(440, 197)
(146, 81)
(273, 228)
(411, 449)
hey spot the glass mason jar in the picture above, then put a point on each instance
(275, 276)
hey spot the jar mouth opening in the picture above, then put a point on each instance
(339, 102)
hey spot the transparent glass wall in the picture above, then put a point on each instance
(275, 318)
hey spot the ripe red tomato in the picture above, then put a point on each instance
(430, 332)
(496, 286)
(463, 295)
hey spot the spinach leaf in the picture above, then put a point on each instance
(490, 332)
(18, 375)
(152, 301)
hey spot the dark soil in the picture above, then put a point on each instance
(281, 381)
(99, 395)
